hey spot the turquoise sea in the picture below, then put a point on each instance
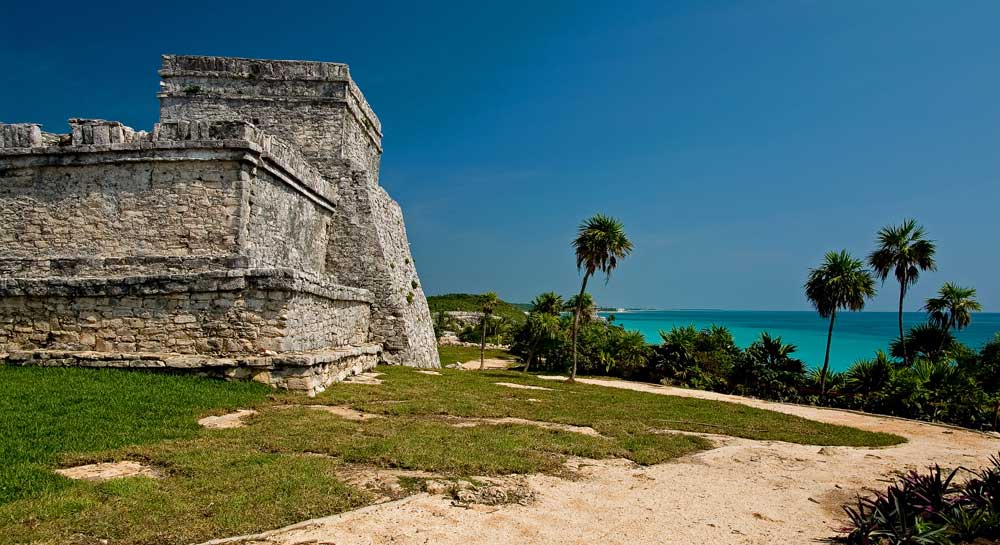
(856, 335)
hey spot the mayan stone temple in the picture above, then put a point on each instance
(245, 237)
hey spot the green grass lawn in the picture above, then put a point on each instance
(283, 466)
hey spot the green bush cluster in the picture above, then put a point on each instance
(953, 384)
(932, 508)
(944, 381)
(501, 326)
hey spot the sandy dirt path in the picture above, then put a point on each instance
(741, 492)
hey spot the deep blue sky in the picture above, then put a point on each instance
(738, 141)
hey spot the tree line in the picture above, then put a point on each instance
(926, 373)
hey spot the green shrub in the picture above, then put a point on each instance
(928, 508)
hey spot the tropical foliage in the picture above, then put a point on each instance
(936, 507)
(599, 244)
(953, 307)
(925, 373)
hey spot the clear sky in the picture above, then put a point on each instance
(737, 141)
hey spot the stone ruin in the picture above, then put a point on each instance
(245, 237)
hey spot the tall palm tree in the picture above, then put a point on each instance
(549, 302)
(488, 303)
(903, 251)
(841, 282)
(600, 242)
(953, 306)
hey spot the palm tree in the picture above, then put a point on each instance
(903, 251)
(587, 306)
(925, 341)
(600, 242)
(543, 323)
(488, 302)
(542, 328)
(549, 303)
(953, 307)
(841, 282)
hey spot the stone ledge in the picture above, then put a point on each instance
(229, 280)
(310, 372)
(172, 360)
(78, 266)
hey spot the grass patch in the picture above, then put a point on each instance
(51, 411)
(613, 412)
(283, 467)
(460, 354)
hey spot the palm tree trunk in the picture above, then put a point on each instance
(902, 338)
(826, 359)
(482, 346)
(576, 321)
(531, 356)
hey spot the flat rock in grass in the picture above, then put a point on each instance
(109, 470)
(346, 413)
(488, 363)
(426, 372)
(226, 421)
(463, 422)
(521, 386)
(364, 378)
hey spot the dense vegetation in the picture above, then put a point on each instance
(945, 381)
(505, 318)
(932, 508)
(467, 302)
(925, 374)
(289, 463)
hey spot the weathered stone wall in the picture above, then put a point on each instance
(232, 313)
(369, 218)
(283, 229)
(314, 105)
(168, 208)
(183, 199)
(216, 241)
(319, 108)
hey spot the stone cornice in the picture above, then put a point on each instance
(140, 285)
(182, 141)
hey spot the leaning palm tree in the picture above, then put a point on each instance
(600, 242)
(488, 303)
(904, 252)
(841, 282)
(588, 308)
(953, 307)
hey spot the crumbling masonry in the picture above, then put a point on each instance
(246, 236)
